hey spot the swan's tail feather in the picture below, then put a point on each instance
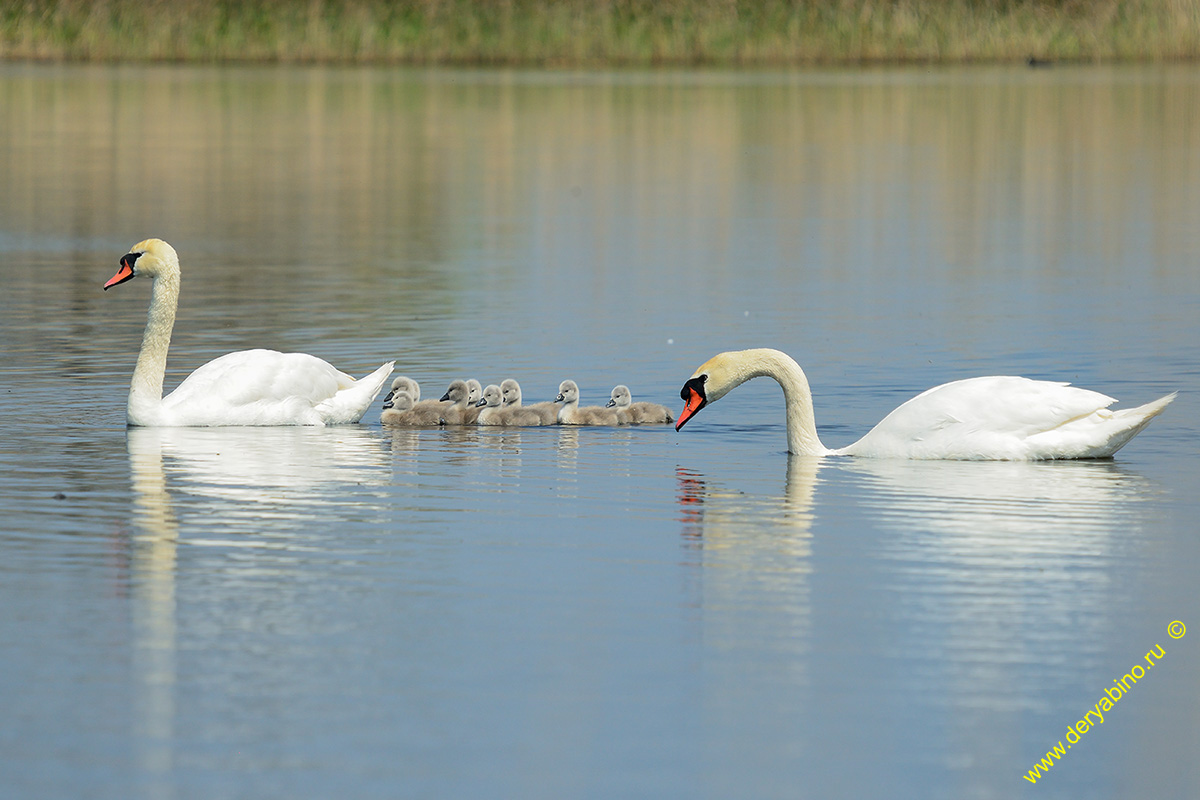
(349, 405)
(1134, 419)
(1154, 408)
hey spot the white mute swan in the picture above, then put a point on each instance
(996, 418)
(249, 387)
(639, 413)
(572, 414)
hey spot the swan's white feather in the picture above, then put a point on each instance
(992, 417)
(266, 387)
(1004, 417)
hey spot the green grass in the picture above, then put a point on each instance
(596, 33)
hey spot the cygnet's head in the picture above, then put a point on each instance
(510, 392)
(457, 393)
(474, 391)
(568, 392)
(491, 397)
(399, 401)
(152, 257)
(621, 398)
(406, 385)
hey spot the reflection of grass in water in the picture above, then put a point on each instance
(568, 32)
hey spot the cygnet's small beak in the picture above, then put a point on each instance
(560, 398)
(481, 403)
(445, 397)
(610, 403)
(387, 402)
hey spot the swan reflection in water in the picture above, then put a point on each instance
(1028, 505)
(717, 517)
(254, 478)
(1029, 508)
(990, 544)
(152, 590)
(236, 481)
(755, 553)
(965, 573)
(1001, 571)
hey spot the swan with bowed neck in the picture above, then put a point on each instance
(996, 418)
(249, 387)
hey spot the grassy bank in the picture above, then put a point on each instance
(594, 32)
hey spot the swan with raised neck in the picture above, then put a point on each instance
(247, 387)
(996, 417)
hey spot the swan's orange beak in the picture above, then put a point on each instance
(123, 274)
(693, 402)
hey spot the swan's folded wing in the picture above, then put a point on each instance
(250, 376)
(258, 387)
(1006, 404)
(989, 417)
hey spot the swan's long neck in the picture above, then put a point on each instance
(801, 422)
(146, 388)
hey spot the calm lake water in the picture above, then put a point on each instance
(361, 612)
